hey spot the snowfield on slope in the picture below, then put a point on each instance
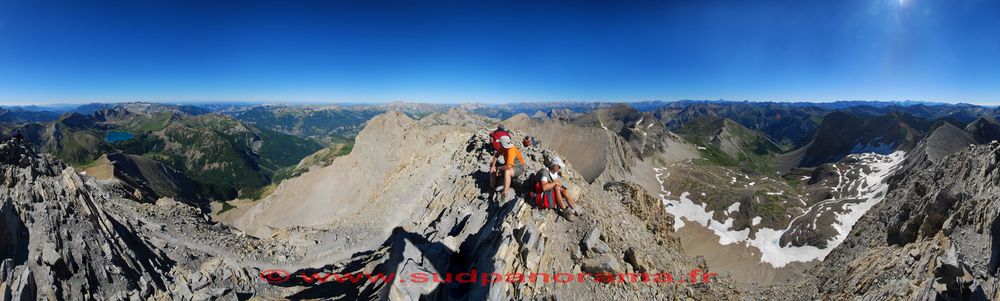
(869, 188)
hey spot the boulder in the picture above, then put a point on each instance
(592, 242)
(633, 259)
(948, 264)
(602, 264)
(532, 244)
(49, 255)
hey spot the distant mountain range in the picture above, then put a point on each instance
(234, 149)
(226, 156)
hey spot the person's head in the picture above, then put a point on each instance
(501, 128)
(556, 164)
(506, 142)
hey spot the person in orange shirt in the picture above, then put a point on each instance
(509, 169)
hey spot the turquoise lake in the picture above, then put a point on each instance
(115, 136)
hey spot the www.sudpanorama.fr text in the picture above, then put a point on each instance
(278, 276)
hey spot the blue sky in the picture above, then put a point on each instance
(499, 51)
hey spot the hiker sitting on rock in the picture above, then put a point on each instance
(508, 170)
(552, 188)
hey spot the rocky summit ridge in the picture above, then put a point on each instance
(449, 222)
(70, 237)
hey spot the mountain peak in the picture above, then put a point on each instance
(985, 129)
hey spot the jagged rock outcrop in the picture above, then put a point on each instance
(67, 237)
(76, 250)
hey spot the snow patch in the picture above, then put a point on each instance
(733, 208)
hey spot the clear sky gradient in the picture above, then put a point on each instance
(499, 51)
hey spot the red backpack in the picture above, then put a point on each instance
(495, 139)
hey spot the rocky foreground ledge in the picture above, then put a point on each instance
(66, 237)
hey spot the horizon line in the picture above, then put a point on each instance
(383, 102)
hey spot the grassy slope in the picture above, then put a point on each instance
(758, 150)
(321, 158)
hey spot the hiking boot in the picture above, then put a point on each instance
(507, 197)
(566, 214)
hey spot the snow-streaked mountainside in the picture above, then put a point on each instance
(778, 201)
(856, 188)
